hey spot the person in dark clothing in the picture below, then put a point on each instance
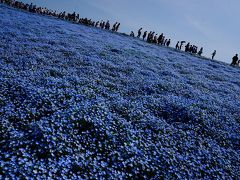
(31, 8)
(168, 42)
(103, 24)
(155, 39)
(114, 26)
(182, 42)
(71, 17)
(77, 17)
(195, 49)
(160, 38)
(149, 36)
(144, 35)
(177, 45)
(132, 34)
(234, 60)
(187, 47)
(117, 27)
(96, 24)
(139, 32)
(165, 42)
(213, 54)
(152, 37)
(107, 26)
(62, 15)
(200, 51)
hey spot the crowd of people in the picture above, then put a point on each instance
(150, 37)
(73, 17)
(161, 40)
(193, 49)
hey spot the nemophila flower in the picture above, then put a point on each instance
(68, 110)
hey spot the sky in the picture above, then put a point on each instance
(211, 24)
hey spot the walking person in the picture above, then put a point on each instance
(139, 32)
(132, 34)
(160, 38)
(200, 51)
(168, 42)
(117, 27)
(177, 45)
(234, 60)
(213, 54)
(144, 35)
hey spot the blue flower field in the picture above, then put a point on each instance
(77, 102)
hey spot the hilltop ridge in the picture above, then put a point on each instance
(80, 102)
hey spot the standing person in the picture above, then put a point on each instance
(96, 24)
(139, 32)
(144, 35)
(152, 37)
(107, 26)
(103, 25)
(155, 39)
(148, 36)
(182, 42)
(234, 60)
(200, 51)
(114, 26)
(132, 34)
(187, 47)
(165, 42)
(168, 42)
(177, 45)
(160, 38)
(117, 27)
(213, 54)
(31, 7)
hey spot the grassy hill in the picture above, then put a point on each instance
(80, 102)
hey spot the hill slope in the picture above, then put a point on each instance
(79, 102)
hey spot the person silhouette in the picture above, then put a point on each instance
(139, 32)
(31, 7)
(132, 34)
(149, 36)
(160, 38)
(188, 47)
(114, 26)
(144, 35)
(177, 45)
(213, 54)
(168, 42)
(200, 51)
(234, 60)
(165, 42)
(107, 25)
(117, 27)
(181, 45)
(155, 39)
(96, 24)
